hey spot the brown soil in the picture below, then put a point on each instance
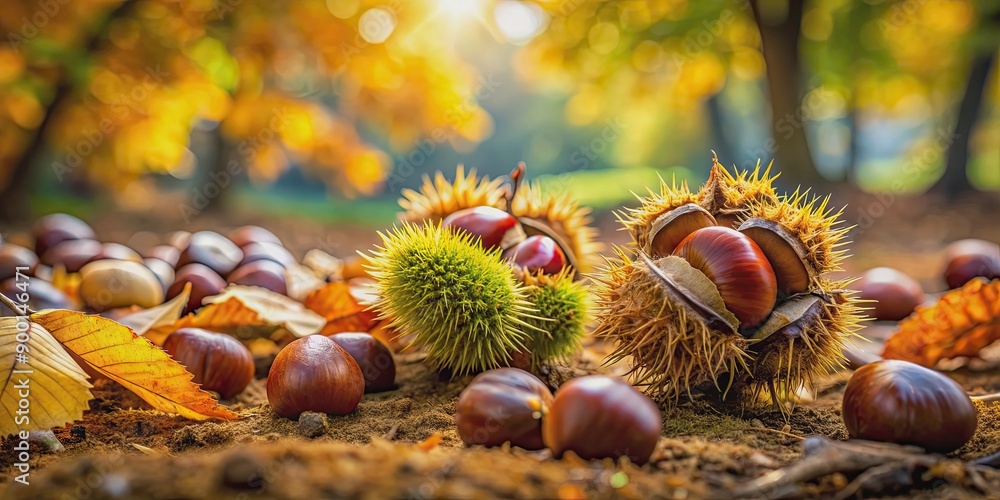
(403, 443)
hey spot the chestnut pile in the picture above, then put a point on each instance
(593, 416)
(729, 286)
(481, 286)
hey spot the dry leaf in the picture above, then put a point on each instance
(164, 314)
(300, 281)
(341, 308)
(119, 354)
(57, 389)
(68, 283)
(246, 312)
(961, 323)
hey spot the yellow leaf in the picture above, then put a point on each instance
(118, 353)
(57, 389)
(246, 312)
(961, 323)
(164, 314)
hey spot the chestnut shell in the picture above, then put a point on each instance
(314, 374)
(505, 404)
(601, 417)
(374, 358)
(219, 362)
(902, 402)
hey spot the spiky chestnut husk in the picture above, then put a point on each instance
(563, 312)
(459, 302)
(677, 336)
(439, 198)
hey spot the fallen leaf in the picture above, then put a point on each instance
(118, 353)
(164, 314)
(961, 323)
(68, 283)
(246, 312)
(301, 280)
(341, 308)
(56, 389)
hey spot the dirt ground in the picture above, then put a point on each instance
(403, 443)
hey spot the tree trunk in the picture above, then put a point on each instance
(717, 127)
(14, 196)
(779, 33)
(955, 180)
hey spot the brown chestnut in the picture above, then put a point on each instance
(13, 257)
(71, 254)
(895, 293)
(116, 251)
(263, 273)
(374, 358)
(313, 373)
(213, 250)
(166, 253)
(537, 253)
(493, 227)
(219, 362)
(737, 267)
(273, 252)
(505, 404)
(601, 417)
(109, 284)
(204, 283)
(41, 295)
(179, 239)
(905, 403)
(245, 235)
(57, 228)
(968, 259)
(164, 271)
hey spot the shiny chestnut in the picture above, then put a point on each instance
(737, 267)
(374, 358)
(116, 251)
(537, 253)
(14, 259)
(602, 417)
(219, 362)
(71, 254)
(905, 403)
(166, 253)
(501, 405)
(245, 235)
(968, 259)
(204, 283)
(41, 295)
(212, 250)
(263, 273)
(895, 293)
(273, 252)
(313, 373)
(53, 229)
(494, 227)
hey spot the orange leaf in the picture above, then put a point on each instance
(961, 323)
(341, 308)
(118, 353)
(245, 312)
(430, 443)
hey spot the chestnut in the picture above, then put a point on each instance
(109, 284)
(245, 235)
(179, 239)
(41, 295)
(57, 228)
(116, 251)
(166, 253)
(905, 403)
(895, 293)
(313, 373)
(602, 417)
(71, 254)
(163, 270)
(494, 227)
(213, 250)
(204, 283)
(968, 259)
(737, 267)
(219, 362)
(263, 273)
(537, 253)
(273, 252)
(374, 358)
(505, 404)
(13, 257)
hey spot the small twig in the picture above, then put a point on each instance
(777, 431)
(987, 398)
(389, 436)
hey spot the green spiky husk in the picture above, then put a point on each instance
(563, 308)
(461, 303)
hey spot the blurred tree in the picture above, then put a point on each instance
(109, 90)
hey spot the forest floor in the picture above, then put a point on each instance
(403, 443)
